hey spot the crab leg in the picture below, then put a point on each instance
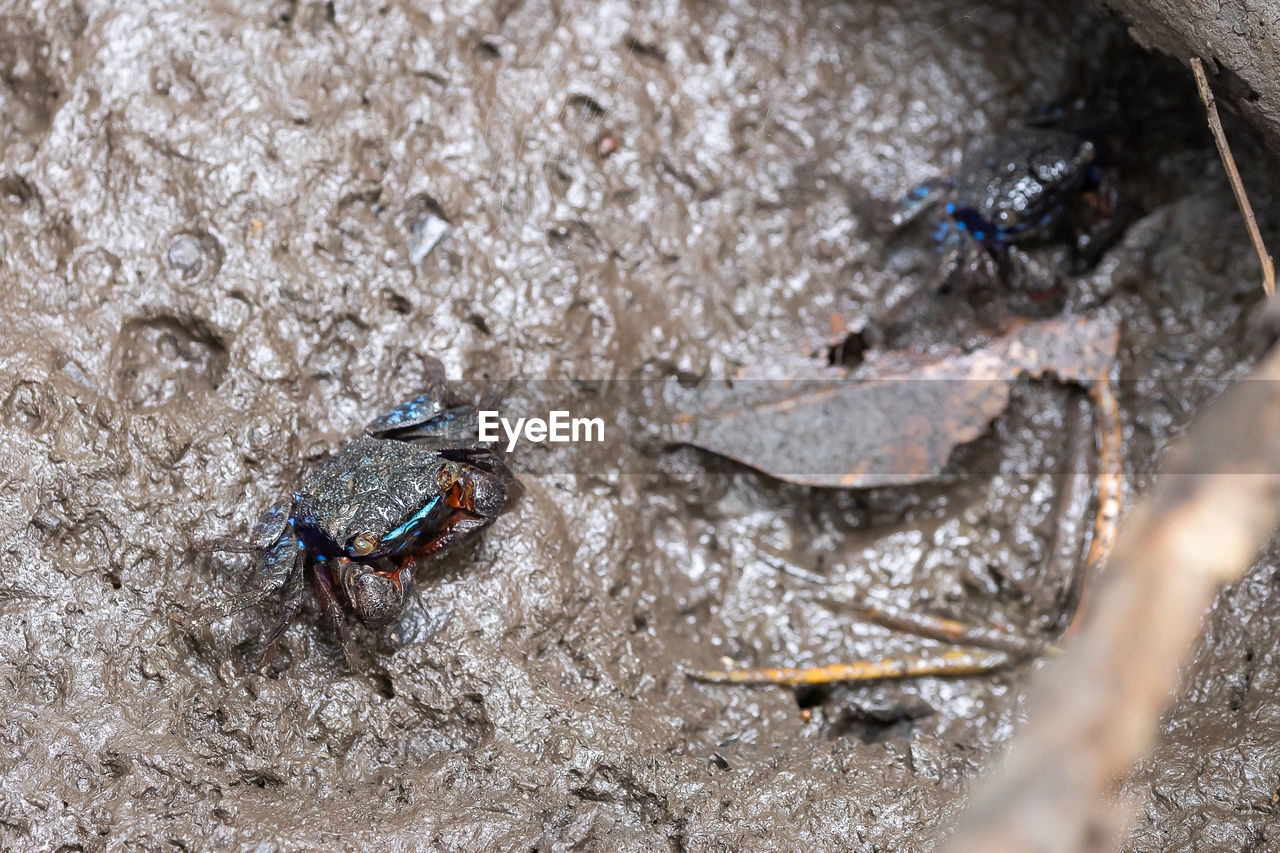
(333, 609)
(294, 587)
(476, 500)
(919, 200)
(272, 570)
(266, 532)
(458, 527)
(223, 545)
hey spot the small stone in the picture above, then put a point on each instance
(46, 519)
(185, 254)
(426, 233)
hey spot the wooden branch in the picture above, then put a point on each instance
(1094, 712)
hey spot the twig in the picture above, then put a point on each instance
(949, 662)
(1110, 495)
(1233, 174)
(1094, 711)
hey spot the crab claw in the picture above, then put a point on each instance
(376, 596)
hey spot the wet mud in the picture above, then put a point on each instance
(217, 262)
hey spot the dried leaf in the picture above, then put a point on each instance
(897, 427)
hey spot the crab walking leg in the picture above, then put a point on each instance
(918, 201)
(271, 571)
(294, 588)
(1110, 493)
(223, 545)
(266, 532)
(954, 662)
(333, 609)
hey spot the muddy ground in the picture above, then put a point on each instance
(211, 271)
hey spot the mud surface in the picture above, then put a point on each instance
(213, 267)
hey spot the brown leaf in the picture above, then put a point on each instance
(899, 425)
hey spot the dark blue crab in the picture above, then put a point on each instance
(413, 485)
(1032, 185)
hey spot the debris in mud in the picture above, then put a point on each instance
(185, 253)
(196, 256)
(425, 235)
(966, 392)
(891, 421)
(1096, 712)
(1233, 174)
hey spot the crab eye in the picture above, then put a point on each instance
(448, 474)
(364, 544)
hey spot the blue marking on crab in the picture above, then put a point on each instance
(1031, 185)
(271, 524)
(399, 540)
(413, 413)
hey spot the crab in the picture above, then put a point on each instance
(413, 485)
(1032, 185)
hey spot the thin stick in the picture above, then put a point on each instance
(1215, 125)
(937, 627)
(1110, 479)
(950, 662)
